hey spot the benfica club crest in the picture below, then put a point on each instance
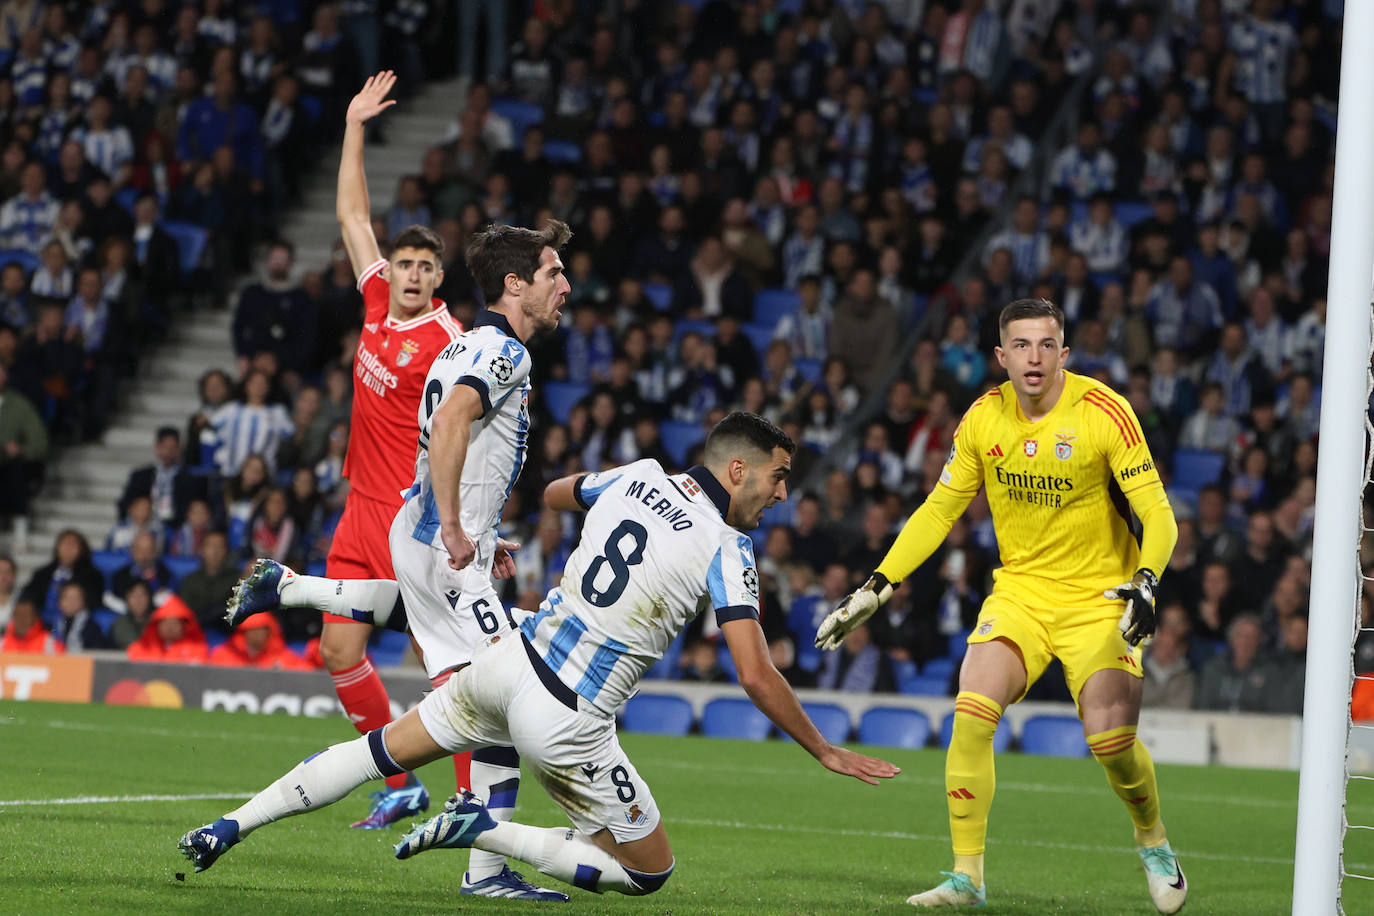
(408, 350)
(1063, 449)
(1031, 447)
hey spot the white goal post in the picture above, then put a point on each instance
(1335, 603)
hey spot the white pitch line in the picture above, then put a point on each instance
(700, 822)
(117, 799)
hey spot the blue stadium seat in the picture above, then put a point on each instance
(657, 715)
(388, 647)
(1194, 468)
(109, 562)
(181, 567)
(958, 644)
(729, 717)
(519, 113)
(191, 241)
(23, 257)
(127, 198)
(297, 646)
(1054, 736)
(660, 295)
(922, 686)
(214, 639)
(1100, 278)
(831, 721)
(809, 369)
(104, 618)
(890, 726)
(726, 661)
(1131, 212)
(760, 336)
(759, 535)
(317, 568)
(562, 151)
(939, 667)
(1001, 739)
(679, 437)
(771, 304)
(313, 106)
(561, 397)
(682, 327)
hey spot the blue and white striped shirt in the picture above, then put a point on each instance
(108, 150)
(801, 257)
(25, 223)
(1083, 175)
(241, 430)
(1262, 53)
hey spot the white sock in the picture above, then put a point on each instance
(565, 854)
(496, 780)
(365, 600)
(319, 780)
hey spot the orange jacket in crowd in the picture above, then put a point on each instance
(236, 653)
(1362, 701)
(37, 641)
(188, 649)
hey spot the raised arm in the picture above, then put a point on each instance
(351, 203)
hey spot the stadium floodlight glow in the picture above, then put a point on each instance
(1335, 598)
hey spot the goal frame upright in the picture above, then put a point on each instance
(1335, 595)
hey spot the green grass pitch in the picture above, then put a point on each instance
(756, 828)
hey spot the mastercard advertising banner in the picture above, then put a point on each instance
(58, 678)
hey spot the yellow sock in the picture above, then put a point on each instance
(1131, 774)
(970, 779)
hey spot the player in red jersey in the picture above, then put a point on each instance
(404, 328)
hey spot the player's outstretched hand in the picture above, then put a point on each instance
(863, 768)
(372, 99)
(857, 607)
(461, 548)
(504, 566)
(1138, 620)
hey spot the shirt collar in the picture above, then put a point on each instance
(712, 488)
(496, 320)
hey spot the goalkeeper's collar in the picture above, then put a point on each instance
(713, 488)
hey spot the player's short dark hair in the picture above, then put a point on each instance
(1030, 308)
(419, 237)
(166, 432)
(741, 429)
(500, 250)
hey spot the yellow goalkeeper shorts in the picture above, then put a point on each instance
(1084, 639)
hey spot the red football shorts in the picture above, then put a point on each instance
(360, 549)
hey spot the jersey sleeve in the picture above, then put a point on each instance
(1118, 433)
(588, 488)
(963, 471)
(376, 291)
(732, 580)
(496, 373)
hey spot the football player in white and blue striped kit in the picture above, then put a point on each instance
(656, 550)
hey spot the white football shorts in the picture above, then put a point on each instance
(450, 611)
(501, 699)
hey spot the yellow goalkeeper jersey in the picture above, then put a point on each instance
(1061, 492)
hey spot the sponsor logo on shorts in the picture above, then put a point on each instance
(590, 769)
(453, 595)
(635, 816)
(1128, 659)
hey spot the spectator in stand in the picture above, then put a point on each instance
(75, 626)
(1240, 679)
(27, 219)
(138, 518)
(71, 562)
(23, 446)
(1210, 426)
(128, 627)
(249, 427)
(207, 589)
(258, 643)
(9, 590)
(864, 332)
(220, 119)
(1169, 680)
(26, 634)
(272, 532)
(169, 484)
(276, 315)
(171, 635)
(144, 565)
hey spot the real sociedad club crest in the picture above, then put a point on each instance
(1031, 447)
(502, 368)
(408, 350)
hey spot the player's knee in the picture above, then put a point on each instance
(645, 883)
(340, 653)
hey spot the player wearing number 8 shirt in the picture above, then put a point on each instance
(655, 551)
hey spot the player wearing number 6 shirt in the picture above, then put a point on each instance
(473, 422)
(1065, 463)
(655, 551)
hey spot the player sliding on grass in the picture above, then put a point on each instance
(655, 550)
(1060, 455)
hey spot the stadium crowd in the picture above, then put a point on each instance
(771, 202)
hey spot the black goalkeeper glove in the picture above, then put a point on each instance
(1138, 620)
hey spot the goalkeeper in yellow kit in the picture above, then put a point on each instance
(1064, 462)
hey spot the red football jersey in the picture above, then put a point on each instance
(389, 372)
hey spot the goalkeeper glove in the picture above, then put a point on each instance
(857, 607)
(1138, 620)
